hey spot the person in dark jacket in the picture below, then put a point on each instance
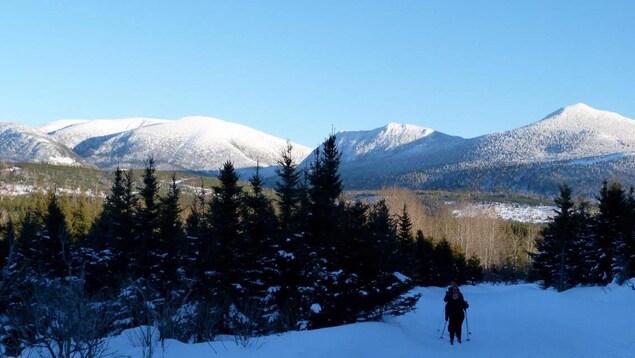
(455, 312)
(448, 293)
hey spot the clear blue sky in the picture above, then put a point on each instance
(295, 69)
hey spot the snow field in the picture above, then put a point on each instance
(506, 321)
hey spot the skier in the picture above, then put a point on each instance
(448, 293)
(455, 312)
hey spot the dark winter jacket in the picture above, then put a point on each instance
(455, 308)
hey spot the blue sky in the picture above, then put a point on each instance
(296, 69)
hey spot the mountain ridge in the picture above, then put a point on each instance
(575, 140)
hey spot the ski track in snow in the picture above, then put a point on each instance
(506, 321)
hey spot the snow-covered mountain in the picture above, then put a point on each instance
(574, 132)
(72, 132)
(23, 144)
(577, 144)
(190, 143)
(394, 148)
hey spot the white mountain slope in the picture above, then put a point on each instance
(23, 144)
(72, 132)
(574, 132)
(190, 143)
(393, 148)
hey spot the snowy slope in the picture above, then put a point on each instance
(23, 144)
(72, 132)
(574, 132)
(505, 321)
(191, 143)
(392, 149)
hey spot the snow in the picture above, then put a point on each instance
(607, 158)
(193, 143)
(505, 321)
(401, 277)
(19, 143)
(573, 132)
(71, 132)
(536, 214)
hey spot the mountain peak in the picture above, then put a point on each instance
(579, 107)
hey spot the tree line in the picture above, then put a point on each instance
(587, 245)
(240, 263)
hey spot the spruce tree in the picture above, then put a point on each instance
(7, 243)
(293, 207)
(113, 235)
(147, 228)
(474, 270)
(196, 227)
(56, 240)
(610, 232)
(581, 254)
(258, 245)
(170, 237)
(225, 262)
(424, 260)
(405, 244)
(287, 190)
(444, 263)
(551, 262)
(324, 273)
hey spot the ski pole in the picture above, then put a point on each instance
(467, 326)
(443, 332)
(442, 316)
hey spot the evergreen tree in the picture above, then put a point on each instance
(171, 237)
(551, 262)
(405, 244)
(258, 245)
(424, 260)
(474, 270)
(324, 273)
(287, 190)
(581, 254)
(113, 235)
(291, 259)
(56, 242)
(7, 243)
(223, 272)
(611, 227)
(444, 263)
(147, 228)
(196, 227)
(383, 235)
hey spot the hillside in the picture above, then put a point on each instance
(577, 145)
(19, 143)
(190, 143)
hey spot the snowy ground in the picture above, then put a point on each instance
(505, 321)
(537, 214)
